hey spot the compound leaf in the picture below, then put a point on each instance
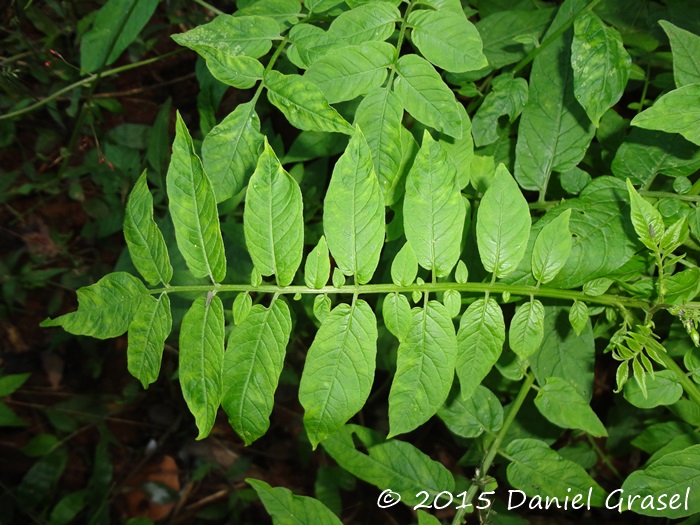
(143, 237)
(353, 212)
(425, 366)
(193, 210)
(339, 369)
(272, 219)
(147, 333)
(252, 366)
(201, 360)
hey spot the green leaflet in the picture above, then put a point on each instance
(310, 43)
(404, 268)
(425, 365)
(554, 131)
(527, 329)
(252, 366)
(10, 383)
(675, 112)
(230, 151)
(284, 12)
(683, 287)
(509, 35)
(425, 95)
(646, 219)
(480, 338)
(436, 219)
(146, 244)
(249, 36)
(322, 307)
(371, 21)
(600, 63)
(645, 153)
(470, 417)
(686, 54)
(388, 464)
(564, 354)
(351, 71)
(662, 388)
(396, 312)
(552, 248)
(353, 212)
(447, 39)
(303, 103)
(115, 27)
(241, 72)
(427, 519)
(147, 333)
(319, 6)
(201, 360)
(242, 305)
(105, 309)
(339, 369)
(539, 470)
(272, 219)
(193, 210)
(503, 225)
(508, 96)
(674, 473)
(452, 300)
(561, 404)
(317, 269)
(379, 117)
(287, 508)
(578, 316)
(461, 151)
(461, 273)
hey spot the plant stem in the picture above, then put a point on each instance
(209, 7)
(688, 384)
(668, 195)
(495, 445)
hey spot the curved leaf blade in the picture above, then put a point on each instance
(685, 47)
(273, 222)
(677, 111)
(193, 210)
(339, 369)
(143, 237)
(371, 21)
(147, 334)
(527, 329)
(561, 404)
(287, 508)
(317, 269)
(552, 248)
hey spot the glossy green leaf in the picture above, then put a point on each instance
(425, 95)
(503, 225)
(452, 300)
(287, 508)
(193, 210)
(241, 72)
(338, 278)
(436, 220)
(272, 219)
(351, 71)
(404, 268)
(379, 117)
(461, 273)
(527, 329)
(396, 312)
(143, 237)
(683, 287)
(284, 12)
(461, 150)
(508, 96)
(388, 464)
(662, 388)
(564, 354)
(480, 339)
(447, 39)
(427, 519)
(353, 212)
(600, 63)
(646, 219)
(319, 6)
(201, 360)
(116, 25)
(322, 307)
(317, 269)
(578, 316)
(105, 309)
(469, 418)
(686, 54)
(303, 103)
(371, 21)
(339, 369)
(536, 469)
(552, 248)
(425, 365)
(677, 473)
(561, 404)
(252, 366)
(645, 153)
(147, 333)
(242, 305)
(230, 151)
(554, 130)
(310, 43)
(677, 111)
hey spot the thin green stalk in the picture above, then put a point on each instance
(690, 197)
(688, 384)
(399, 41)
(495, 445)
(209, 7)
(475, 288)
